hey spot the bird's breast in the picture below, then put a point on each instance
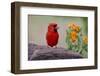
(52, 35)
(52, 38)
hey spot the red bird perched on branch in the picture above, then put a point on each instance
(52, 35)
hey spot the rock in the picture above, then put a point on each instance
(38, 52)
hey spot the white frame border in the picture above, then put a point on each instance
(25, 64)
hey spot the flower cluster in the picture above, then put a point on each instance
(75, 29)
(75, 39)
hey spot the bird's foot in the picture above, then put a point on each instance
(48, 46)
(55, 46)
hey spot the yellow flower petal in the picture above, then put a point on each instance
(85, 39)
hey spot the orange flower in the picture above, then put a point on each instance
(73, 36)
(85, 39)
(74, 27)
(77, 28)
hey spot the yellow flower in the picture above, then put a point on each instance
(77, 28)
(74, 27)
(85, 39)
(73, 36)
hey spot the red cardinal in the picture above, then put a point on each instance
(52, 35)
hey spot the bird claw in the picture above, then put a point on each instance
(48, 46)
(55, 47)
(51, 47)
